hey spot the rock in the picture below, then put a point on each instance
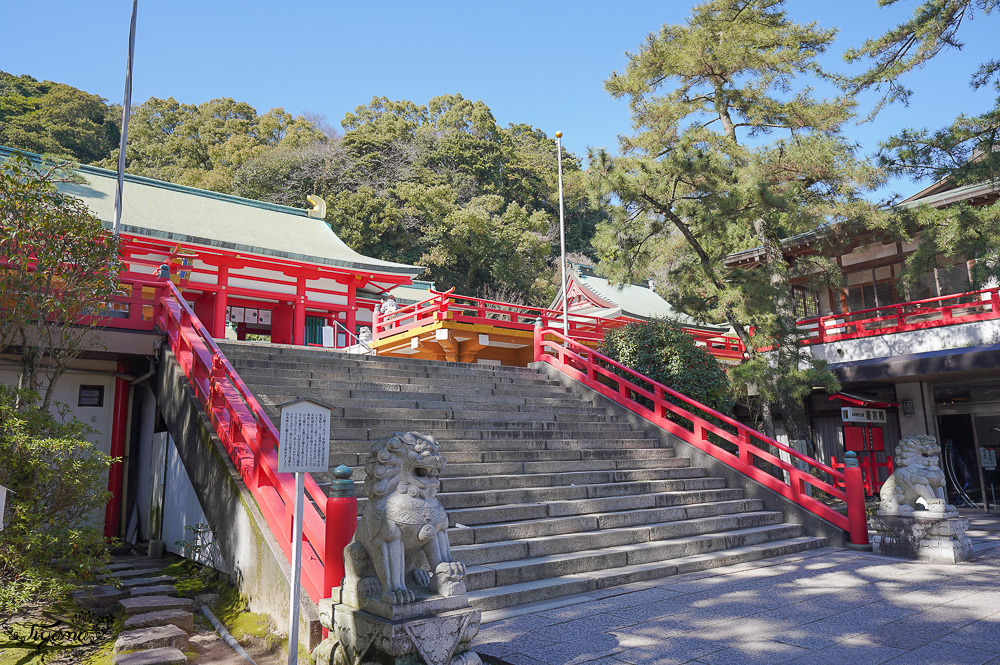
(131, 572)
(147, 581)
(154, 637)
(153, 604)
(98, 597)
(163, 656)
(155, 590)
(207, 598)
(180, 618)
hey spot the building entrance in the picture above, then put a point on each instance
(969, 443)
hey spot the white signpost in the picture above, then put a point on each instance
(854, 414)
(303, 446)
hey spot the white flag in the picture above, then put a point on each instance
(3, 503)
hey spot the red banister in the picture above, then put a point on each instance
(251, 440)
(601, 373)
(903, 317)
(446, 305)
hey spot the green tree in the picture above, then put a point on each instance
(661, 350)
(732, 151)
(58, 269)
(57, 119)
(57, 483)
(965, 152)
(203, 145)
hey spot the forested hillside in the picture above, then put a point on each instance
(440, 185)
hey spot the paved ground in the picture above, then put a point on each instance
(825, 607)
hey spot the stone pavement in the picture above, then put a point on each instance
(822, 607)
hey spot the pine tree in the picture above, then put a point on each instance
(733, 151)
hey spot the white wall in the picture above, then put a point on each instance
(917, 341)
(181, 508)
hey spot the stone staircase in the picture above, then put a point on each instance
(547, 495)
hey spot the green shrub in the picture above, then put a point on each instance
(58, 492)
(661, 350)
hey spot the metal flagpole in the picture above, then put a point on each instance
(562, 235)
(126, 111)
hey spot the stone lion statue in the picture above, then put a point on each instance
(403, 526)
(918, 482)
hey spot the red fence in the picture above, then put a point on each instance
(903, 317)
(714, 433)
(247, 433)
(476, 311)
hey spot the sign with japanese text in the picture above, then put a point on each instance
(304, 440)
(857, 414)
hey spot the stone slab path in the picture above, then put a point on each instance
(823, 607)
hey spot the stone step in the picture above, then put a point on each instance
(589, 561)
(345, 390)
(552, 526)
(248, 351)
(557, 496)
(565, 543)
(570, 584)
(126, 573)
(569, 438)
(306, 374)
(408, 401)
(494, 481)
(360, 417)
(664, 460)
(146, 604)
(146, 581)
(161, 656)
(180, 618)
(153, 637)
(155, 590)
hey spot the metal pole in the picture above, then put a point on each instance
(126, 111)
(293, 619)
(562, 235)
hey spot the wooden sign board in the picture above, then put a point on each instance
(304, 443)
(855, 414)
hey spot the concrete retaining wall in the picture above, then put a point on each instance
(258, 565)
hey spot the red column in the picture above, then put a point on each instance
(218, 327)
(299, 328)
(281, 324)
(857, 519)
(352, 309)
(119, 426)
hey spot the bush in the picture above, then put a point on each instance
(57, 481)
(661, 350)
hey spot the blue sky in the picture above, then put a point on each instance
(541, 63)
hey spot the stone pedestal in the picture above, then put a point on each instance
(923, 535)
(430, 631)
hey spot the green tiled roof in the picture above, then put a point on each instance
(154, 208)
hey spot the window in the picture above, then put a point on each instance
(91, 396)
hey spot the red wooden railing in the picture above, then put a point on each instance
(712, 432)
(903, 317)
(870, 466)
(442, 306)
(247, 433)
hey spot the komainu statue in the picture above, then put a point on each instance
(918, 482)
(402, 539)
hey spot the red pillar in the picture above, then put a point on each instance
(281, 324)
(119, 426)
(218, 327)
(299, 328)
(352, 309)
(857, 519)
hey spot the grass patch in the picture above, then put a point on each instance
(249, 628)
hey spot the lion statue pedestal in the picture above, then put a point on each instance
(914, 519)
(402, 601)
